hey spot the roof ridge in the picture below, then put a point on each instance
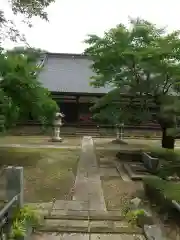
(81, 55)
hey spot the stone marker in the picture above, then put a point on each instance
(153, 232)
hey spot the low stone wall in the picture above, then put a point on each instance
(133, 132)
(71, 131)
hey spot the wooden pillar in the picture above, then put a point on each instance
(78, 110)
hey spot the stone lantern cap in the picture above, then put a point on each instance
(59, 115)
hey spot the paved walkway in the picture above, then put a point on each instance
(81, 236)
(116, 147)
(88, 183)
(86, 215)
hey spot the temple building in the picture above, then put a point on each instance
(67, 77)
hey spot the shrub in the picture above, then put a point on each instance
(133, 215)
(169, 159)
(24, 218)
(169, 190)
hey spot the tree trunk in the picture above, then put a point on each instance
(167, 142)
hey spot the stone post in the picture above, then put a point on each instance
(15, 184)
(121, 131)
(57, 124)
(117, 132)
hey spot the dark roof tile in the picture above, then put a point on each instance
(68, 73)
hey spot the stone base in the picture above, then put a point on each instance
(56, 140)
(119, 141)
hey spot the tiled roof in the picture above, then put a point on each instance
(68, 73)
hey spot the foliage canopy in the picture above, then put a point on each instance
(28, 9)
(21, 93)
(141, 61)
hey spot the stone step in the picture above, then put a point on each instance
(125, 177)
(133, 175)
(85, 236)
(63, 209)
(88, 130)
(85, 215)
(85, 226)
(93, 134)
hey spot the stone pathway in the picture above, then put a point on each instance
(88, 183)
(116, 147)
(86, 216)
(82, 236)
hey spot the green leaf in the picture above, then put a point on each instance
(143, 62)
(21, 94)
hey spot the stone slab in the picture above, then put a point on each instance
(85, 226)
(102, 215)
(85, 215)
(105, 160)
(122, 173)
(52, 225)
(100, 226)
(85, 236)
(71, 205)
(124, 227)
(42, 205)
(133, 175)
(117, 237)
(108, 172)
(45, 236)
(103, 165)
(153, 232)
(74, 236)
(70, 214)
(60, 236)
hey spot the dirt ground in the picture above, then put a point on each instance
(150, 142)
(48, 173)
(117, 193)
(76, 141)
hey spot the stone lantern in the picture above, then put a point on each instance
(121, 130)
(119, 134)
(56, 127)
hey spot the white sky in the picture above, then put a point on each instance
(71, 20)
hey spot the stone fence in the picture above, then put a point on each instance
(14, 194)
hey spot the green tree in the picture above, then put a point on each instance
(142, 62)
(31, 8)
(28, 9)
(21, 93)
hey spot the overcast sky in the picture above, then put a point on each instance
(71, 20)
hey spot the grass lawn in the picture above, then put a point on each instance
(41, 140)
(132, 143)
(149, 142)
(138, 143)
(48, 173)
